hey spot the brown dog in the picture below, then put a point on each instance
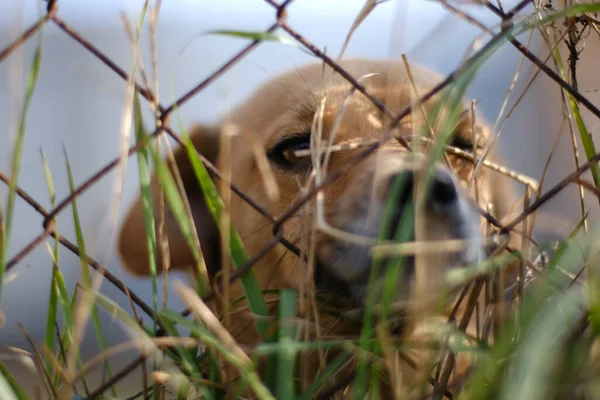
(279, 118)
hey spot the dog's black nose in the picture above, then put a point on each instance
(440, 195)
(441, 189)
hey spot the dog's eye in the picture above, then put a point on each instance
(292, 153)
(461, 142)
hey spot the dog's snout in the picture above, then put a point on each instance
(441, 196)
(442, 191)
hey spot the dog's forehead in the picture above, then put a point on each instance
(386, 80)
(287, 104)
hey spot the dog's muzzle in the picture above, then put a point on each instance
(385, 213)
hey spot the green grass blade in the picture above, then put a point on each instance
(589, 150)
(176, 204)
(85, 272)
(546, 298)
(533, 362)
(237, 251)
(260, 36)
(565, 245)
(186, 357)
(144, 172)
(247, 371)
(177, 207)
(287, 354)
(17, 155)
(72, 304)
(128, 320)
(274, 348)
(119, 313)
(56, 275)
(143, 159)
(59, 295)
(463, 275)
(586, 140)
(576, 10)
(403, 233)
(9, 386)
(585, 136)
(53, 300)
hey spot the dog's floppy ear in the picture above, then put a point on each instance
(132, 245)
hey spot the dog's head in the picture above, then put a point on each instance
(287, 120)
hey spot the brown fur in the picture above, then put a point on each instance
(286, 105)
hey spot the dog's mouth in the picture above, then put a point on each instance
(346, 270)
(363, 266)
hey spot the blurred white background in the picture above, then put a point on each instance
(78, 103)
